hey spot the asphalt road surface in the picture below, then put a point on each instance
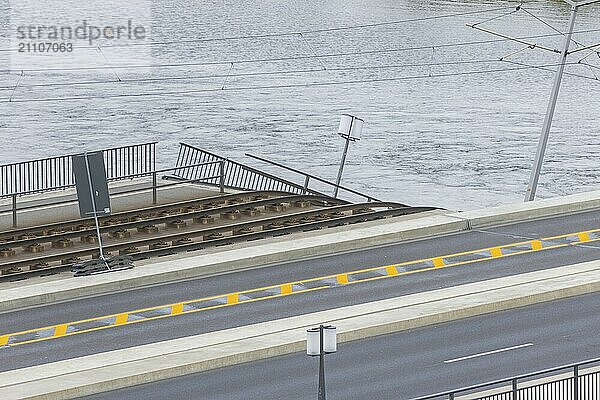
(407, 364)
(243, 314)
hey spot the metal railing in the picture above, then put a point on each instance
(154, 187)
(56, 173)
(237, 175)
(549, 384)
(307, 179)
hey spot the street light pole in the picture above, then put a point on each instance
(541, 149)
(342, 163)
(321, 366)
(321, 341)
(350, 129)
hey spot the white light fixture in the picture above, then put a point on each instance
(329, 339)
(313, 342)
(350, 127)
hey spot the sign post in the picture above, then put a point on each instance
(92, 190)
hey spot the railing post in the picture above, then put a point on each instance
(514, 390)
(154, 194)
(14, 210)
(222, 177)
(451, 396)
(576, 382)
(306, 181)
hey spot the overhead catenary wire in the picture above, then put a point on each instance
(287, 58)
(257, 73)
(546, 68)
(305, 31)
(285, 86)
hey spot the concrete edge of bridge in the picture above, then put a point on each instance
(296, 247)
(163, 360)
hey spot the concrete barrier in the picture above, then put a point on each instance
(244, 257)
(303, 245)
(519, 212)
(148, 363)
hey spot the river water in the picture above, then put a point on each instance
(459, 135)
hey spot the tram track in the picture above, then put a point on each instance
(180, 227)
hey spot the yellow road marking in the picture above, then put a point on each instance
(232, 298)
(496, 252)
(391, 270)
(60, 330)
(536, 245)
(176, 308)
(121, 319)
(286, 288)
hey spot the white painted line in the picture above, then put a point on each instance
(488, 353)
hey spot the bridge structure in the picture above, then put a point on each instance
(233, 265)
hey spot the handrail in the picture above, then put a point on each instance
(154, 187)
(75, 154)
(452, 393)
(241, 176)
(307, 175)
(56, 173)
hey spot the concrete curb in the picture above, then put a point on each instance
(518, 212)
(298, 247)
(227, 261)
(149, 363)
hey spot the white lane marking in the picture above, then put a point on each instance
(488, 353)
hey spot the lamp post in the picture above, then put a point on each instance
(321, 341)
(350, 129)
(541, 149)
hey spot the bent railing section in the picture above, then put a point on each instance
(236, 175)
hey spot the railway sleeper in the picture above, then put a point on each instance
(34, 248)
(204, 219)
(7, 252)
(62, 243)
(177, 224)
(11, 270)
(148, 229)
(120, 234)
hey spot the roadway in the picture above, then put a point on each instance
(407, 364)
(249, 313)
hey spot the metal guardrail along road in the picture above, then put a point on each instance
(579, 381)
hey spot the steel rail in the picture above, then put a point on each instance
(329, 213)
(162, 219)
(72, 224)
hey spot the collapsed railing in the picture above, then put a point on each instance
(244, 177)
(237, 175)
(574, 383)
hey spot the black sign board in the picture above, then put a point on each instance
(90, 181)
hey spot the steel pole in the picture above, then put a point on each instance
(541, 149)
(89, 176)
(339, 177)
(321, 367)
